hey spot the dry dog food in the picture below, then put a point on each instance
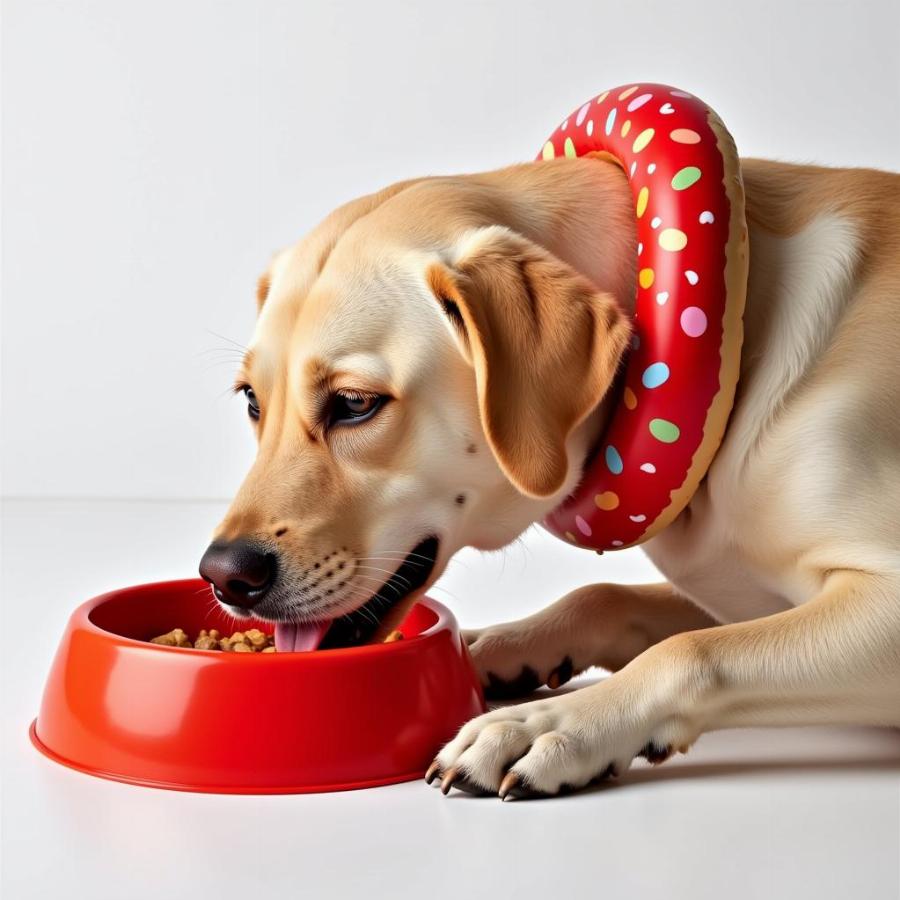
(251, 641)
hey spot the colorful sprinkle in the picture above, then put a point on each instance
(649, 468)
(667, 109)
(571, 537)
(589, 128)
(564, 125)
(662, 297)
(684, 136)
(583, 526)
(655, 222)
(610, 121)
(603, 96)
(628, 92)
(691, 276)
(630, 398)
(548, 152)
(642, 139)
(672, 239)
(614, 460)
(641, 518)
(638, 102)
(617, 543)
(626, 127)
(569, 148)
(643, 197)
(655, 374)
(633, 169)
(693, 321)
(582, 113)
(640, 248)
(645, 278)
(664, 430)
(681, 94)
(651, 168)
(706, 217)
(685, 177)
(607, 500)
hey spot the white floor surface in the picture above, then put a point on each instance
(747, 814)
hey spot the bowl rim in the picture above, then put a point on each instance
(81, 619)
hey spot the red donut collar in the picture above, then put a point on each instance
(681, 374)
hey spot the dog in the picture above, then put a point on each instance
(431, 368)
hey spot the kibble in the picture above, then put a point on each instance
(251, 641)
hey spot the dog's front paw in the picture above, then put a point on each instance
(516, 658)
(547, 747)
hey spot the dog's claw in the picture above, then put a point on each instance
(510, 783)
(561, 674)
(434, 771)
(447, 781)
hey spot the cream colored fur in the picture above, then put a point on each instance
(783, 597)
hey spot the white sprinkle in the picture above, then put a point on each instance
(589, 128)
(651, 168)
(640, 249)
(640, 518)
(648, 467)
(655, 222)
(564, 125)
(633, 168)
(691, 276)
(661, 297)
(706, 217)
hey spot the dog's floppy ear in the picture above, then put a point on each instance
(543, 341)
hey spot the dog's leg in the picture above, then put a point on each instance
(835, 659)
(604, 625)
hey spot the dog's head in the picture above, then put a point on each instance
(416, 382)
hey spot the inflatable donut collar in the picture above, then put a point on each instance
(678, 385)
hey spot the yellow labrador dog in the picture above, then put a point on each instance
(430, 370)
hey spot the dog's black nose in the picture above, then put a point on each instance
(239, 571)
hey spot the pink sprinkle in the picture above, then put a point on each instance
(583, 526)
(638, 102)
(693, 321)
(582, 113)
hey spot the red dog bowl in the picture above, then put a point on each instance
(204, 720)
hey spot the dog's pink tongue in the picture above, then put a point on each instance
(290, 638)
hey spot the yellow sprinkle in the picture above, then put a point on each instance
(642, 140)
(607, 500)
(548, 152)
(645, 278)
(626, 127)
(628, 92)
(672, 239)
(571, 537)
(569, 148)
(630, 398)
(643, 197)
(603, 96)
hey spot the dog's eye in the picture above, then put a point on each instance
(350, 407)
(252, 403)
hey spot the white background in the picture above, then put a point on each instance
(156, 153)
